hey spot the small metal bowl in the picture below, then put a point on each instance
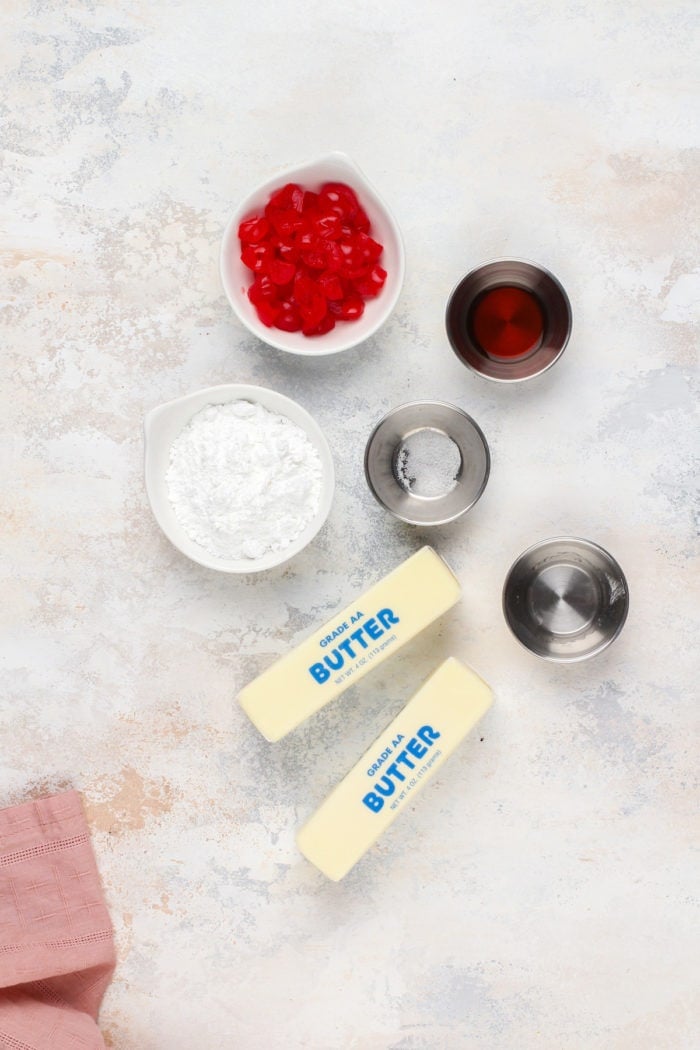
(552, 299)
(392, 435)
(565, 599)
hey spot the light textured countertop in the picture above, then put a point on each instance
(541, 893)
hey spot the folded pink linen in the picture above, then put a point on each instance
(56, 941)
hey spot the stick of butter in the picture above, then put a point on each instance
(386, 617)
(400, 762)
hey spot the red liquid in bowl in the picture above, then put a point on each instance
(507, 322)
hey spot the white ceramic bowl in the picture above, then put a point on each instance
(163, 424)
(236, 278)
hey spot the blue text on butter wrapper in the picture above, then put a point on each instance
(417, 747)
(363, 636)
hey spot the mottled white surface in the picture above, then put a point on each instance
(541, 896)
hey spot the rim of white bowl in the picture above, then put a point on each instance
(274, 337)
(157, 443)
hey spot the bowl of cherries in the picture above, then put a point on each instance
(312, 261)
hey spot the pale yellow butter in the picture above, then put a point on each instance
(389, 776)
(357, 639)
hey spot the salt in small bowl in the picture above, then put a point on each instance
(460, 436)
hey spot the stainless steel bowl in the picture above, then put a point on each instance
(393, 434)
(555, 307)
(565, 599)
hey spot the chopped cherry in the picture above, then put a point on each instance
(330, 285)
(315, 259)
(313, 311)
(281, 272)
(334, 256)
(288, 318)
(339, 195)
(323, 326)
(262, 289)
(252, 231)
(283, 250)
(257, 256)
(304, 288)
(327, 226)
(286, 221)
(372, 284)
(312, 257)
(371, 249)
(352, 308)
(361, 220)
(285, 292)
(289, 196)
(305, 239)
(267, 312)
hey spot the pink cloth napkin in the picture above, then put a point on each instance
(56, 942)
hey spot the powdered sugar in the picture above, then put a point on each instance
(243, 481)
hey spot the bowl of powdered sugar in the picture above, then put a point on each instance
(239, 478)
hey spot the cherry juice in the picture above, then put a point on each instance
(506, 322)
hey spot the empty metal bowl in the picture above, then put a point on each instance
(551, 298)
(565, 599)
(427, 462)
